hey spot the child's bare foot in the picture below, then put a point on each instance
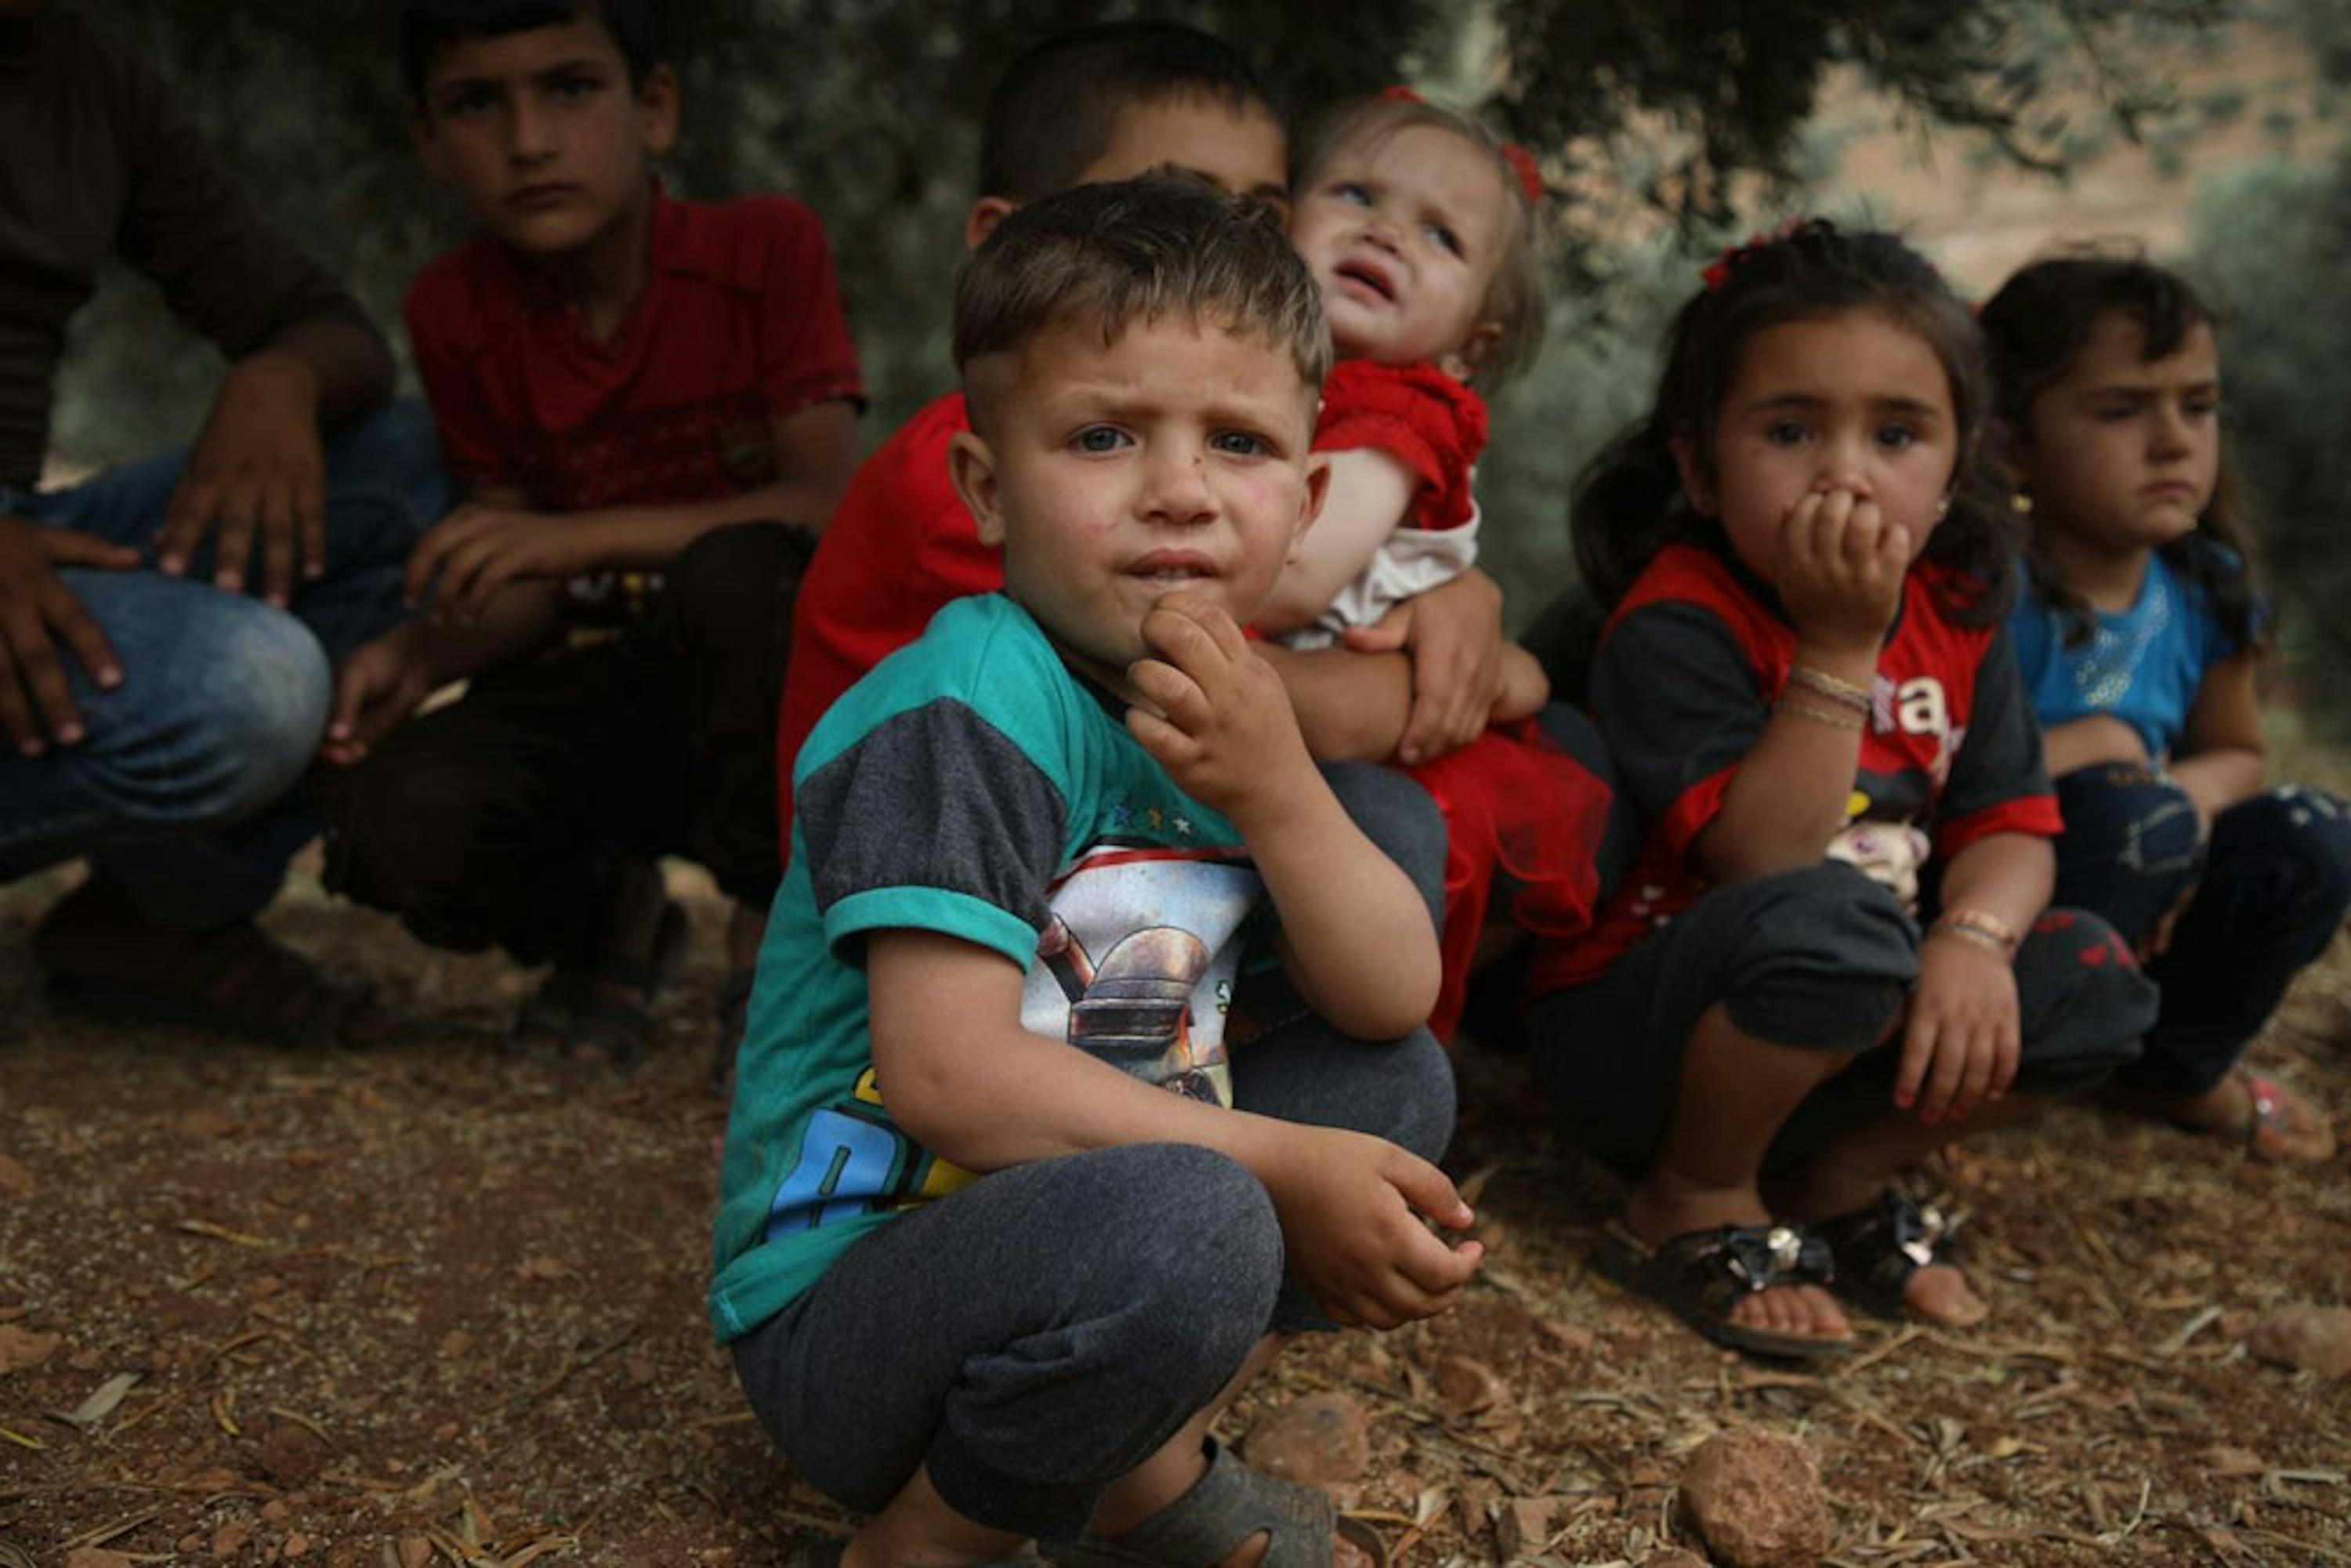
(1678, 1222)
(2274, 1122)
(1940, 1294)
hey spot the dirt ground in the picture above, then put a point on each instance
(440, 1305)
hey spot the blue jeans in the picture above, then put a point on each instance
(183, 792)
(2271, 885)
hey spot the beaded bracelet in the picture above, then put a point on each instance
(1830, 686)
(1981, 924)
(1834, 718)
(1983, 939)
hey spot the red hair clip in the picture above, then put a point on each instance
(1523, 164)
(1398, 94)
(1718, 271)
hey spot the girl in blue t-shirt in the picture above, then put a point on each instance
(2138, 639)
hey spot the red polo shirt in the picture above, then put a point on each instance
(739, 324)
(901, 545)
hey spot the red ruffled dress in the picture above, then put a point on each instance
(1522, 817)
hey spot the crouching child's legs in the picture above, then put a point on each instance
(986, 1368)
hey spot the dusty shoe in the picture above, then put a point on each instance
(101, 956)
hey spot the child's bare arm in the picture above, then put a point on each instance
(482, 546)
(1350, 706)
(1370, 491)
(1355, 934)
(1962, 1034)
(2222, 753)
(2086, 742)
(1839, 574)
(963, 1078)
(379, 683)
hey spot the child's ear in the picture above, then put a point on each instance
(1466, 361)
(1318, 490)
(1693, 473)
(981, 221)
(657, 110)
(971, 468)
(2004, 447)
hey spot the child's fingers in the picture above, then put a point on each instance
(1169, 747)
(1798, 534)
(1429, 1190)
(1865, 529)
(1917, 1050)
(1954, 1046)
(1435, 1268)
(1212, 618)
(1177, 695)
(1975, 1073)
(2009, 1050)
(1182, 640)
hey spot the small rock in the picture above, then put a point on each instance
(2315, 1339)
(409, 1552)
(230, 1539)
(21, 1348)
(1524, 1525)
(2224, 1460)
(297, 1545)
(291, 1454)
(277, 1510)
(1569, 1336)
(1465, 1386)
(1321, 1439)
(1754, 1498)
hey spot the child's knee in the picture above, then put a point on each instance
(2307, 835)
(2129, 819)
(1824, 958)
(2083, 1003)
(1195, 1258)
(411, 824)
(737, 582)
(251, 687)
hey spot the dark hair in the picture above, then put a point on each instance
(1057, 107)
(1628, 500)
(1146, 249)
(428, 26)
(1514, 296)
(2036, 325)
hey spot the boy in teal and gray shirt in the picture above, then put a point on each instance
(1007, 1214)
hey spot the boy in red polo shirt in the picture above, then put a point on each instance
(639, 394)
(1108, 103)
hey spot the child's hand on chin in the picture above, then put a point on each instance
(1840, 568)
(1224, 730)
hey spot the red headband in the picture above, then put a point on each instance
(1522, 161)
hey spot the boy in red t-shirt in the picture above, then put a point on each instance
(1099, 104)
(634, 390)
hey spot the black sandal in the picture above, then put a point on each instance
(1878, 1248)
(573, 1008)
(1700, 1275)
(1229, 1505)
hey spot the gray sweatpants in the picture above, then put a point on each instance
(1040, 1333)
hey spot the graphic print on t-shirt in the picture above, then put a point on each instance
(1135, 967)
